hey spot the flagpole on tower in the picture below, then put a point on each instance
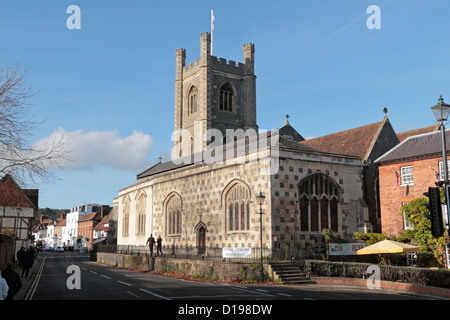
(212, 30)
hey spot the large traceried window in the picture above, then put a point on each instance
(192, 100)
(173, 215)
(238, 208)
(319, 200)
(126, 215)
(140, 213)
(226, 97)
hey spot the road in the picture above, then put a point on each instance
(57, 281)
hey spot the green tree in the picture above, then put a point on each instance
(432, 250)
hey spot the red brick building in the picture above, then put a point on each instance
(86, 226)
(405, 173)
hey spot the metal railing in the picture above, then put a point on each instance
(211, 253)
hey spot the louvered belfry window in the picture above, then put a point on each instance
(226, 97)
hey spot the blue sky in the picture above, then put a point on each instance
(110, 84)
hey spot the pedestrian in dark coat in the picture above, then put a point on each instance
(20, 256)
(151, 243)
(12, 279)
(33, 252)
(27, 262)
(159, 245)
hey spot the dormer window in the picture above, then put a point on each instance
(226, 97)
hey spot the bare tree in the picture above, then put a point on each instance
(19, 157)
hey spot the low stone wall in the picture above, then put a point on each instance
(197, 268)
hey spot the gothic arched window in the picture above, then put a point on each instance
(226, 97)
(140, 213)
(238, 208)
(126, 215)
(173, 215)
(318, 199)
(192, 100)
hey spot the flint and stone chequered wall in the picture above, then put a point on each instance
(203, 189)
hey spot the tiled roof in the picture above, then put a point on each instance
(355, 142)
(61, 223)
(403, 135)
(87, 217)
(100, 226)
(12, 195)
(422, 145)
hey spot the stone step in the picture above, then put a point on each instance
(289, 273)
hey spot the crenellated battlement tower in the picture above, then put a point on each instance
(218, 93)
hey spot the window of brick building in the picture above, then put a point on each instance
(407, 175)
(441, 169)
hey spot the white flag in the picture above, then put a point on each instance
(212, 29)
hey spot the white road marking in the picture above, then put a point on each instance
(155, 294)
(284, 294)
(127, 284)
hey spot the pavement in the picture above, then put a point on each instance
(28, 282)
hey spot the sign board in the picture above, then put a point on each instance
(228, 252)
(319, 245)
(345, 249)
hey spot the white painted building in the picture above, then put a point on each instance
(71, 232)
(50, 240)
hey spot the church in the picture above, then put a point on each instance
(199, 200)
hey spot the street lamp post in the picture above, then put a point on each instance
(260, 200)
(441, 112)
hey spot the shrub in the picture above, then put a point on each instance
(418, 276)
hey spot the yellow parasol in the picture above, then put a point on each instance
(386, 247)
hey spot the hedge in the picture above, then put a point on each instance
(418, 276)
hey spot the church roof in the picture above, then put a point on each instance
(287, 141)
(164, 167)
(288, 131)
(356, 142)
(403, 135)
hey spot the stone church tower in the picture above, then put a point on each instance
(214, 93)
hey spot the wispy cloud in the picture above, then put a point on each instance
(103, 148)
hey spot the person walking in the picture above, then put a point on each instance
(20, 256)
(33, 252)
(159, 245)
(12, 279)
(151, 243)
(27, 262)
(3, 288)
